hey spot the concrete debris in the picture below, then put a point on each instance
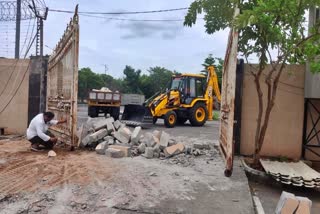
(51, 153)
(135, 137)
(157, 134)
(110, 127)
(102, 123)
(156, 151)
(172, 142)
(117, 124)
(101, 148)
(196, 152)
(142, 148)
(114, 153)
(287, 203)
(201, 146)
(111, 141)
(148, 152)
(164, 140)
(173, 150)
(122, 137)
(125, 149)
(107, 138)
(99, 134)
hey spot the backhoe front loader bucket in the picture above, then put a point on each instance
(137, 115)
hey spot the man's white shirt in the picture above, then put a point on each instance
(39, 128)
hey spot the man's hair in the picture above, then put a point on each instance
(49, 114)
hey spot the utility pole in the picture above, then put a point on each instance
(105, 72)
(18, 19)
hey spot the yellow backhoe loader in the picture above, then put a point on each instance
(189, 97)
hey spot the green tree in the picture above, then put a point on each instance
(132, 80)
(218, 65)
(264, 26)
(88, 80)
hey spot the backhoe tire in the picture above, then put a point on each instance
(92, 111)
(170, 119)
(115, 112)
(181, 120)
(198, 114)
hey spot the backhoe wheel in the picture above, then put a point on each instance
(198, 114)
(181, 120)
(154, 120)
(170, 119)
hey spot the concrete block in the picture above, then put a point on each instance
(101, 148)
(287, 203)
(156, 140)
(110, 127)
(110, 141)
(125, 149)
(126, 131)
(142, 148)
(87, 140)
(201, 146)
(173, 150)
(97, 125)
(157, 134)
(148, 153)
(121, 137)
(117, 124)
(304, 205)
(114, 153)
(156, 151)
(172, 142)
(149, 140)
(107, 138)
(99, 134)
(135, 137)
(164, 140)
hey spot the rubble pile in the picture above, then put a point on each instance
(114, 139)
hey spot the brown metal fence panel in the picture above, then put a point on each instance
(62, 82)
(227, 101)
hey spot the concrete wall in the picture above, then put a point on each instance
(14, 87)
(284, 133)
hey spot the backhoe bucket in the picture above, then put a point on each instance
(137, 115)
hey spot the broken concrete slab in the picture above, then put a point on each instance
(110, 127)
(148, 140)
(122, 137)
(305, 205)
(157, 134)
(173, 150)
(125, 130)
(156, 151)
(86, 141)
(142, 148)
(102, 123)
(117, 124)
(125, 149)
(99, 134)
(164, 140)
(110, 141)
(107, 138)
(148, 152)
(135, 137)
(287, 203)
(114, 153)
(201, 146)
(101, 148)
(172, 142)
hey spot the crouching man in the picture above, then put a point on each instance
(37, 132)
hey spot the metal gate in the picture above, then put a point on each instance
(227, 100)
(62, 82)
(311, 132)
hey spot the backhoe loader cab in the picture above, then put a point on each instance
(189, 97)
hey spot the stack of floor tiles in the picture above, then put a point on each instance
(294, 173)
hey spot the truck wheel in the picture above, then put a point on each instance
(115, 112)
(93, 111)
(170, 119)
(198, 114)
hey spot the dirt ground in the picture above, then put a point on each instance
(82, 181)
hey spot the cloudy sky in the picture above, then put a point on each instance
(138, 44)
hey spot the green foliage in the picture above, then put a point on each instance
(216, 115)
(132, 80)
(264, 26)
